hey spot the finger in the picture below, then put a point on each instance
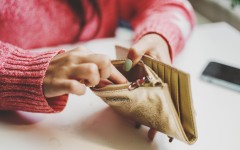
(138, 50)
(151, 134)
(116, 77)
(68, 86)
(160, 55)
(73, 56)
(88, 72)
(154, 54)
(103, 63)
(106, 68)
(74, 87)
(103, 83)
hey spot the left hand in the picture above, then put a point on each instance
(155, 46)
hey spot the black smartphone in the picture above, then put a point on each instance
(222, 75)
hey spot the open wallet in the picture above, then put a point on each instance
(157, 95)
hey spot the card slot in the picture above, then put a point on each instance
(154, 68)
(167, 77)
(148, 62)
(161, 70)
(175, 90)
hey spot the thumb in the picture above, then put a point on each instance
(137, 51)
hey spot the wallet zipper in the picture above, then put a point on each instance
(140, 82)
(147, 81)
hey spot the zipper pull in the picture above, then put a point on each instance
(136, 84)
(140, 82)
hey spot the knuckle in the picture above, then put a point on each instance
(92, 69)
(70, 57)
(81, 49)
(105, 74)
(64, 69)
(106, 60)
(94, 79)
(71, 87)
(81, 91)
(134, 50)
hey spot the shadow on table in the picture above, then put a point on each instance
(28, 127)
(112, 130)
(15, 118)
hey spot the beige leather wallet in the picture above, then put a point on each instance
(157, 95)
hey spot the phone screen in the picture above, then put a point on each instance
(222, 74)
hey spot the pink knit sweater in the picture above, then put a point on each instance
(36, 23)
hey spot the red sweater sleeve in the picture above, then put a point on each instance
(21, 79)
(172, 19)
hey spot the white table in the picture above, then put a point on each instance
(88, 123)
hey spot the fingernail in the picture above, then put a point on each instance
(127, 65)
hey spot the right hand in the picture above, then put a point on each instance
(72, 71)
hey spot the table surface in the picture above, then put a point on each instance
(88, 123)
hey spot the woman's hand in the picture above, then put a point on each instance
(150, 44)
(155, 46)
(72, 71)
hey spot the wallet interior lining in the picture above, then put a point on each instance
(167, 77)
(137, 72)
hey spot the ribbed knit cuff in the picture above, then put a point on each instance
(22, 75)
(167, 30)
